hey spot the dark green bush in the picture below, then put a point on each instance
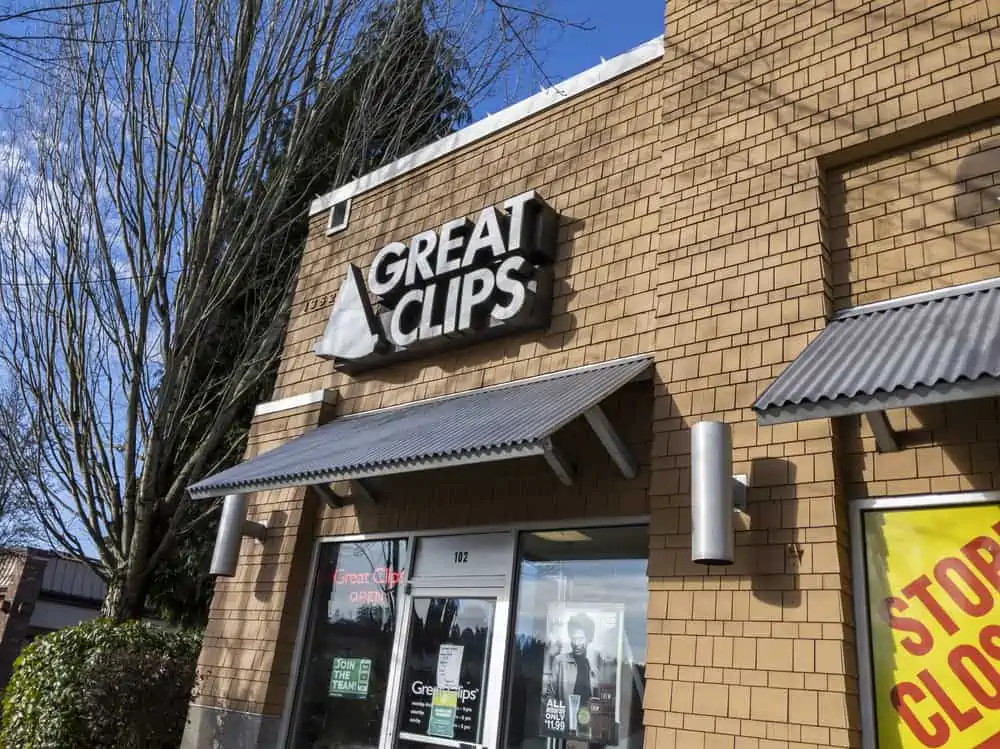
(101, 685)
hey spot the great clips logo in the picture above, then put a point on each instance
(420, 689)
(463, 282)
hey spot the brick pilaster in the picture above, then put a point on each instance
(22, 593)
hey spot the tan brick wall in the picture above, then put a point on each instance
(594, 158)
(763, 102)
(909, 222)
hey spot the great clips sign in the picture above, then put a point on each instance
(465, 281)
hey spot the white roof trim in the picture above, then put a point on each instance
(496, 122)
(326, 395)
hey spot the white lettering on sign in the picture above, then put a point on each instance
(473, 278)
(426, 690)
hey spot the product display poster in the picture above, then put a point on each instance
(933, 578)
(581, 680)
(444, 706)
(449, 667)
(350, 677)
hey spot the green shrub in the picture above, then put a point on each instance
(101, 685)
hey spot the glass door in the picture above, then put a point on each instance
(450, 687)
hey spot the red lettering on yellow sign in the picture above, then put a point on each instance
(956, 687)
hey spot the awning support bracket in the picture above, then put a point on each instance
(329, 496)
(885, 436)
(359, 490)
(612, 442)
(558, 464)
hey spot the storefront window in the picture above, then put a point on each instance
(579, 643)
(349, 645)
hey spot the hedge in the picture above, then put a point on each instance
(101, 685)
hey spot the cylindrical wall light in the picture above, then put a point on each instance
(711, 493)
(233, 526)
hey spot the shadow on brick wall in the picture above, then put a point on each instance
(946, 208)
(264, 585)
(978, 172)
(769, 546)
(942, 448)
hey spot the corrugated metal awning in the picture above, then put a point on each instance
(927, 348)
(512, 420)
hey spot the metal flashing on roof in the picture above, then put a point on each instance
(494, 123)
(930, 348)
(501, 422)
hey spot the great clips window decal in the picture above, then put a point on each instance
(464, 281)
(934, 610)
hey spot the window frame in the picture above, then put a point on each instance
(331, 227)
(292, 704)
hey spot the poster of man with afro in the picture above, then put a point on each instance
(581, 683)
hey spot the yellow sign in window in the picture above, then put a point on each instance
(933, 579)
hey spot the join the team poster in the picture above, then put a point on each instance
(933, 577)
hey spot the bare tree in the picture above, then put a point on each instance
(144, 190)
(17, 520)
(25, 30)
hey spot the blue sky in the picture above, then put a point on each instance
(618, 26)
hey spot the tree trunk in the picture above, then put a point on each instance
(126, 596)
(129, 584)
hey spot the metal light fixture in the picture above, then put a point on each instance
(715, 493)
(233, 526)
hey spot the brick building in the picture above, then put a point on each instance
(783, 219)
(40, 592)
